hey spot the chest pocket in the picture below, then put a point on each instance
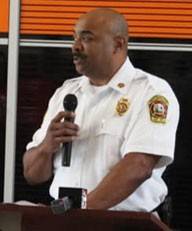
(114, 126)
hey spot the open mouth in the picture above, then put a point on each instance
(78, 58)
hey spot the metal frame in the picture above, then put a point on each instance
(132, 45)
(11, 113)
(3, 41)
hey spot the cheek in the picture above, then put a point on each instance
(93, 53)
(108, 48)
(99, 52)
(90, 51)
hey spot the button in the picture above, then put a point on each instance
(121, 85)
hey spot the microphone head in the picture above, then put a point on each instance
(70, 102)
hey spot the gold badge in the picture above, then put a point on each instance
(158, 107)
(122, 106)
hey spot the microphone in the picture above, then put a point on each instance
(69, 103)
(61, 205)
(69, 198)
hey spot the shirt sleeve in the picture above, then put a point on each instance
(154, 129)
(55, 105)
(51, 112)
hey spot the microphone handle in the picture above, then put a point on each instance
(66, 160)
(66, 157)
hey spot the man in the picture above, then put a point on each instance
(125, 124)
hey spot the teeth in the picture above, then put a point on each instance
(75, 57)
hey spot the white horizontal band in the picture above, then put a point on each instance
(131, 45)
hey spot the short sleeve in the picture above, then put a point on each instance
(154, 128)
(55, 105)
(52, 110)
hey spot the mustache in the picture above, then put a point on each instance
(79, 55)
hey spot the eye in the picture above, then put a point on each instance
(83, 37)
(86, 38)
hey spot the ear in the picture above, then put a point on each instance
(120, 43)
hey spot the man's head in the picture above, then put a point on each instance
(100, 45)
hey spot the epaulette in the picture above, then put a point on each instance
(73, 82)
(76, 79)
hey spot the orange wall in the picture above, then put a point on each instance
(147, 18)
(4, 6)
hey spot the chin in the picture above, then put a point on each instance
(80, 70)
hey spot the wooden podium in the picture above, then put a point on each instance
(38, 218)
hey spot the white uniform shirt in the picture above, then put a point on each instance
(106, 136)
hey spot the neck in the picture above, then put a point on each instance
(100, 79)
(99, 82)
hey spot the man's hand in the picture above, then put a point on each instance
(59, 132)
(38, 161)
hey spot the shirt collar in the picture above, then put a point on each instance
(119, 82)
(122, 79)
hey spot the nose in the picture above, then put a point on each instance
(77, 45)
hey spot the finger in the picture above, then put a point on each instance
(68, 114)
(61, 115)
(58, 117)
(70, 125)
(64, 125)
(65, 139)
(65, 132)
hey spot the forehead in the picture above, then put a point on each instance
(92, 24)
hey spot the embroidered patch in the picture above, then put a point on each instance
(122, 106)
(158, 107)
